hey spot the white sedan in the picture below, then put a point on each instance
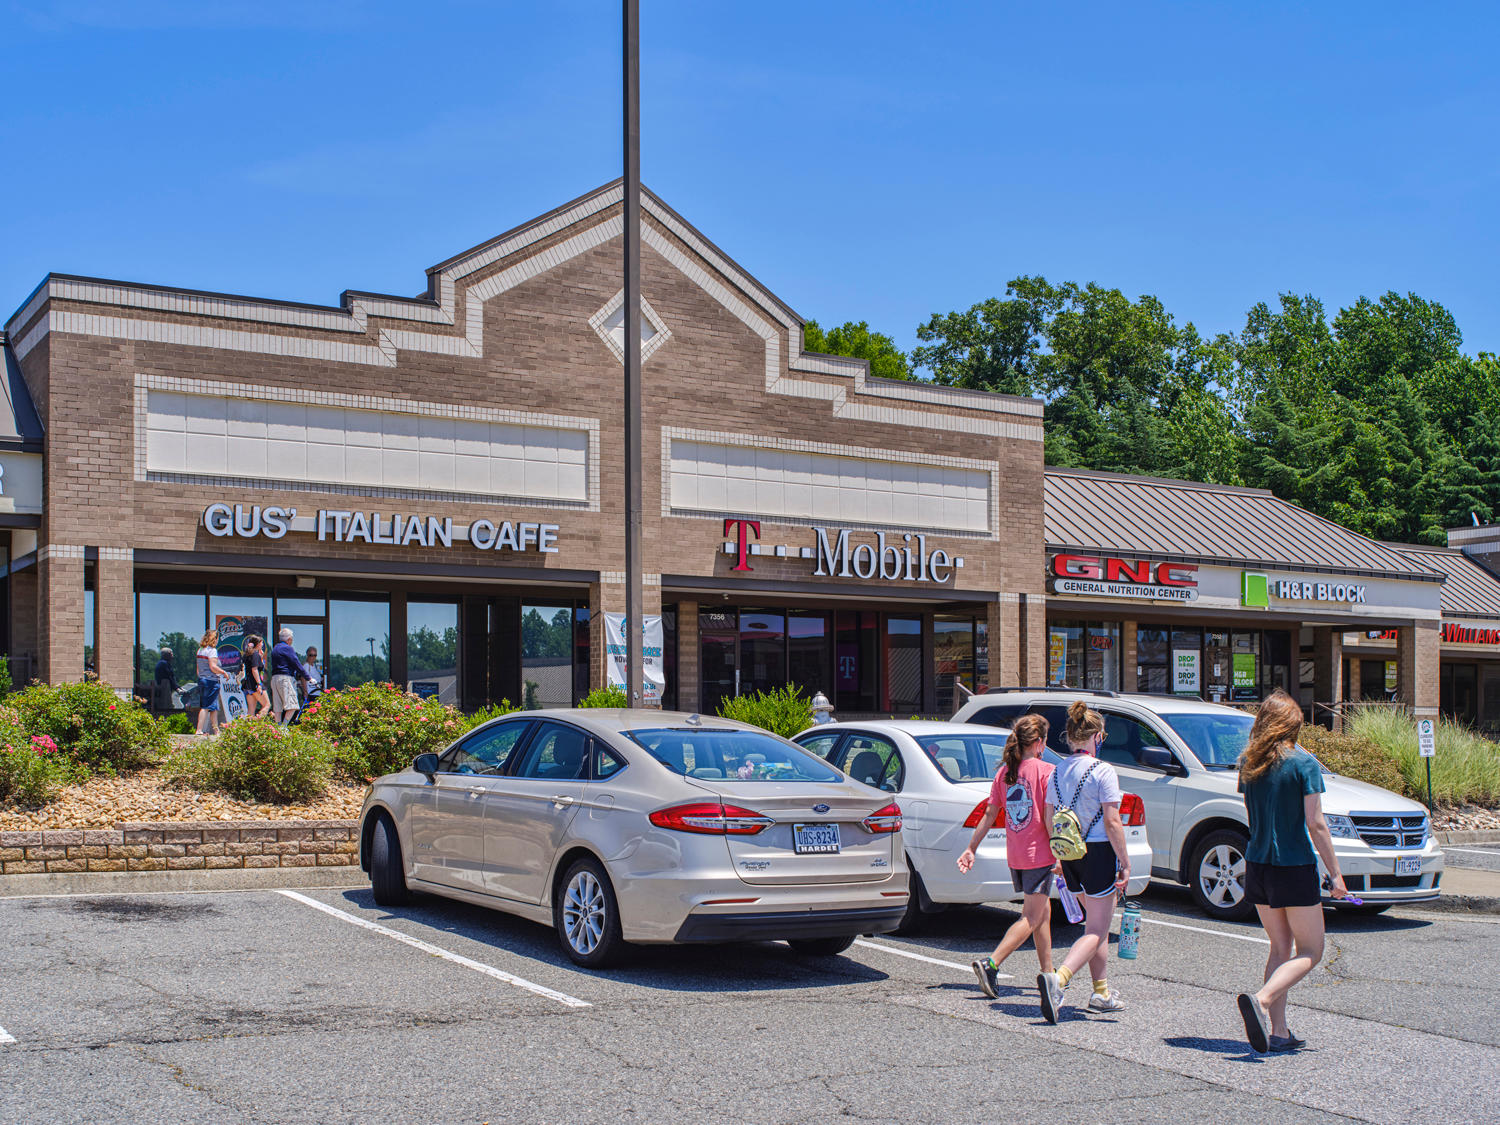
(943, 773)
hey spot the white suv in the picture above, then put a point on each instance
(1179, 755)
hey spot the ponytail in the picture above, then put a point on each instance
(1083, 724)
(1028, 729)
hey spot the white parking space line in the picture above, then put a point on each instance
(438, 951)
(921, 957)
(6, 1037)
(1475, 851)
(1203, 930)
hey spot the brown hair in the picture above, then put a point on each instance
(1273, 735)
(210, 638)
(1083, 723)
(1028, 729)
(253, 639)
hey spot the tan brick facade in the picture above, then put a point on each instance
(505, 327)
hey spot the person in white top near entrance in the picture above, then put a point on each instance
(1091, 789)
(210, 674)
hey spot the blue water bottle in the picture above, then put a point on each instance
(1130, 931)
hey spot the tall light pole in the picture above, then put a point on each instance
(634, 599)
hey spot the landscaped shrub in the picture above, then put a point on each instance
(604, 697)
(1465, 770)
(31, 770)
(485, 714)
(784, 710)
(1354, 757)
(178, 723)
(93, 726)
(377, 729)
(256, 760)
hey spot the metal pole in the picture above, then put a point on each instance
(1429, 783)
(634, 600)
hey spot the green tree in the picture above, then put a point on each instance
(854, 338)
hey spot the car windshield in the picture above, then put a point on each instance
(1217, 740)
(722, 753)
(965, 757)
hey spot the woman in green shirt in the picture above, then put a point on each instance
(1283, 787)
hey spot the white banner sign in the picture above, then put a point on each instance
(1185, 671)
(653, 672)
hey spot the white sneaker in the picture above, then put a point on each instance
(1051, 990)
(1109, 1003)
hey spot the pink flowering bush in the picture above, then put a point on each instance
(32, 772)
(255, 760)
(377, 729)
(86, 722)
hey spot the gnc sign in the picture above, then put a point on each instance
(1106, 576)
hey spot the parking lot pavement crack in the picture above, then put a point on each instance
(178, 1075)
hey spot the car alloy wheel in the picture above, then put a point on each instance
(1221, 875)
(585, 912)
(1217, 875)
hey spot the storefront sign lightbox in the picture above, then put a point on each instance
(836, 553)
(1103, 576)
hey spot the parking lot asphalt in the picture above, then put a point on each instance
(314, 1005)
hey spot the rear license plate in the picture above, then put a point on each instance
(815, 839)
(1409, 865)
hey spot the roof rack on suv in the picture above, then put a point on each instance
(1055, 687)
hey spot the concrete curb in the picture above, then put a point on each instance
(1474, 836)
(146, 882)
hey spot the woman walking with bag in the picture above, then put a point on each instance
(1282, 784)
(1083, 808)
(1019, 793)
(209, 671)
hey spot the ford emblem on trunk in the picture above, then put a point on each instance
(821, 808)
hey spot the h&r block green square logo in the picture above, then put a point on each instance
(1255, 590)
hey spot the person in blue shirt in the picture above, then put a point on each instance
(286, 670)
(1283, 787)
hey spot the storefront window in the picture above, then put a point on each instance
(1084, 654)
(1152, 655)
(432, 649)
(807, 651)
(903, 665)
(953, 653)
(580, 652)
(1217, 665)
(854, 668)
(301, 607)
(718, 635)
(359, 642)
(1458, 692)
(1187, 662)
(236, 616)
(762, 650)
(88, 629)
(669, 657)
(1245, 666)
(175, 621)
(546, 656)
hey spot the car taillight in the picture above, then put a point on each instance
(887, 819)
(711, 819)
(1132, 810)
(978, 814)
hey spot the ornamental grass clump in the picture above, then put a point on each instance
(93, 727)
(1465, 768)
(1352, 756)
(255, 760)
(32, 772)
(784, 710)
(377, 729)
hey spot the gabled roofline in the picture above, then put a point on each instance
(1167, 482)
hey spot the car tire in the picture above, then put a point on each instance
(1216, 875)
(917, 903)
(586, 915)
(387, 874)
(820, 947)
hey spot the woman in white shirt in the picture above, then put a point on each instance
(209, 671)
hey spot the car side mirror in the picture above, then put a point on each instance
(425, 764)
(1160, 758)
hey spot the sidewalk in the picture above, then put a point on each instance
(1469, 888)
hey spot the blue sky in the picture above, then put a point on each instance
(878, 161)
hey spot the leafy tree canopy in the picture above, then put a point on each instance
(856, 340)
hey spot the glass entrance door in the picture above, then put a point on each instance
(718, 634)
(307, 632)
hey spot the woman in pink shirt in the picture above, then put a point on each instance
(1018, 792)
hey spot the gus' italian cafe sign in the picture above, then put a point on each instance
(393, 529)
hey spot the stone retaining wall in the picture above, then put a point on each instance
(182, 846)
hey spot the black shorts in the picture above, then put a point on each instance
(1094, 874)
(1032, 880)
(1281, 887)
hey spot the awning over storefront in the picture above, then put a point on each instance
(20, 449)
(1150, 518)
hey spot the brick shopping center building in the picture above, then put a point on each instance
(429, 490)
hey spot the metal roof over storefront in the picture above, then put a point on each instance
(20, 428)
(1150, 517)
(1469, 590)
